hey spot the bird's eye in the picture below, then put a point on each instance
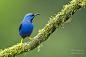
(32, 15)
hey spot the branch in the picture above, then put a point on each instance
(43, 35)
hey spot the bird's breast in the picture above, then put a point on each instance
(26, 29)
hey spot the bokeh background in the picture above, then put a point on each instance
(62, 43)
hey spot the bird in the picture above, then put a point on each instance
(26, 26)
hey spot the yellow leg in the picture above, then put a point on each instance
(30, 38)
(21, 41)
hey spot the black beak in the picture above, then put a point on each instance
(37, 14)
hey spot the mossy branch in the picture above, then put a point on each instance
(43, 35)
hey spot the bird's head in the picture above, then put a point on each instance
(30, 16)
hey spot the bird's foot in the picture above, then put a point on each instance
(21, 42)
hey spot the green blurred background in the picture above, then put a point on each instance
(60, 44)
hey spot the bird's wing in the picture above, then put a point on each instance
(20, 27)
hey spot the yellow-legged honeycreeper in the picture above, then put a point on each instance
(26, 26)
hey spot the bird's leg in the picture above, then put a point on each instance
(21, 41)
(30, 38)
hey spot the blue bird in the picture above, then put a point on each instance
(26, 26)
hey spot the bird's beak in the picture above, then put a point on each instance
(37, 14)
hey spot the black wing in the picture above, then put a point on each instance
(20, 27)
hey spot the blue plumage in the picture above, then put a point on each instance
(26, 29)
(26, 26)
